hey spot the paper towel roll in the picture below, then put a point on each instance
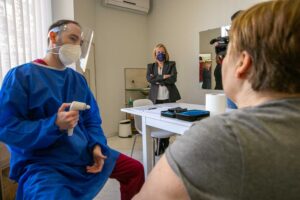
(215, 103)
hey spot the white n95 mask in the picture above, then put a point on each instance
(69, 54)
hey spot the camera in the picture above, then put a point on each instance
(221, 44)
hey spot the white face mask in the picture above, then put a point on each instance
(69, 54)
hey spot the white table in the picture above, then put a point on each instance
(151, 118)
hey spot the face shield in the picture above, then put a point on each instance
(86, 38)
(73, 54)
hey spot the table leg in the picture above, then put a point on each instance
(147, 147)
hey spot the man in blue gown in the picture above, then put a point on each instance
(34, 118)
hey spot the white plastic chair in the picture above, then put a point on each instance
(155, 133)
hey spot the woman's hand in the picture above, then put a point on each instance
(166, 76)
(98, 161)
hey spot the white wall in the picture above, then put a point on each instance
(62, 9)
(121, 42)
(177, 24)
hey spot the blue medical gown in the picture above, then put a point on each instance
(46, 162)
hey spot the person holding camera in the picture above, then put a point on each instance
(162, 76)
(251, 152)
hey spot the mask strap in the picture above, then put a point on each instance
(50, 50)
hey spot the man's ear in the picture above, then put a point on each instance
(52, 37)
(243, 65)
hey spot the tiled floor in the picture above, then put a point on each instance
(111, 189)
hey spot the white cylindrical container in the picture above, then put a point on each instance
(125, 128)
(215, 103)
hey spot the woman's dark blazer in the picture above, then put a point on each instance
(155, 80)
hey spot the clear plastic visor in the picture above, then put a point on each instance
(86, 35)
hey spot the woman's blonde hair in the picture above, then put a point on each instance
(160, 45)
(270, 33)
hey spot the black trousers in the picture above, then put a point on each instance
(164, 142)
(163, 101)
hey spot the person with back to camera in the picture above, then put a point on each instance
(162, 75)
(34, 119)
(206, 75)
(252, 152)
(218, 72)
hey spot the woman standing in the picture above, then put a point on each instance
(162, 75)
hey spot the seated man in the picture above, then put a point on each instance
(252, 152)
(45, 161)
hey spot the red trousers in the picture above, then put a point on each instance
(130, 173)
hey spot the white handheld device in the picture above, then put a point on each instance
(76, 105)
